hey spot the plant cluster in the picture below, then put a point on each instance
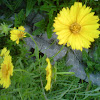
(92, 59)
(28, 76)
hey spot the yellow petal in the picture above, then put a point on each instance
(64, 16)
(21, 28)
(59, 26)
(89, 19)
(82, 13)
(74, 10)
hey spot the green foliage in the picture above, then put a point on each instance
(41, 27)
(48, 7)
(29, 77)
(92, 63)
(28, 81)
(29, 7)
(20, 18)
(12, 5)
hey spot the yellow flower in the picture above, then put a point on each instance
(76, 26)
(17, 34)
(6, 68)
(4, 52)
(6, 71)
(48, 75)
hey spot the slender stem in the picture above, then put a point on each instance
(32, 38)
(20, 70)
(65, 73)
(57, 52)
(52, 44)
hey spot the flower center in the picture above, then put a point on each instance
(4, 71)
(47, 73)
(75, 28)
(21, 35)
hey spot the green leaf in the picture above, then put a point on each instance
(84, 56)
(19, 18)
(36, 53)
(90, 63)
(49, 32)
(30, 4)
(37, 31)
(39, 2)
(41, 27)
(12, 4)
(48, 7)
(40, 24)
(97, 66)
(97, 54)
(49, 29)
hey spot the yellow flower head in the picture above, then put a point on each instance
(6, 71)
(17, 34)
(4, 52)
(6, 67)
(76, 26)
(48, 75)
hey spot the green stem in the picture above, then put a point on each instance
(52, 44)
(88, 80)
(65, 73)
(20, 70)
(31, 38)
(57, 52)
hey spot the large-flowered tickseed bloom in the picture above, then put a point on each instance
(6, 68)
(48, 75)
(76, 26)
(17, 34)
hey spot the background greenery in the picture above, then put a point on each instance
(22, 8)
(28, 81)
